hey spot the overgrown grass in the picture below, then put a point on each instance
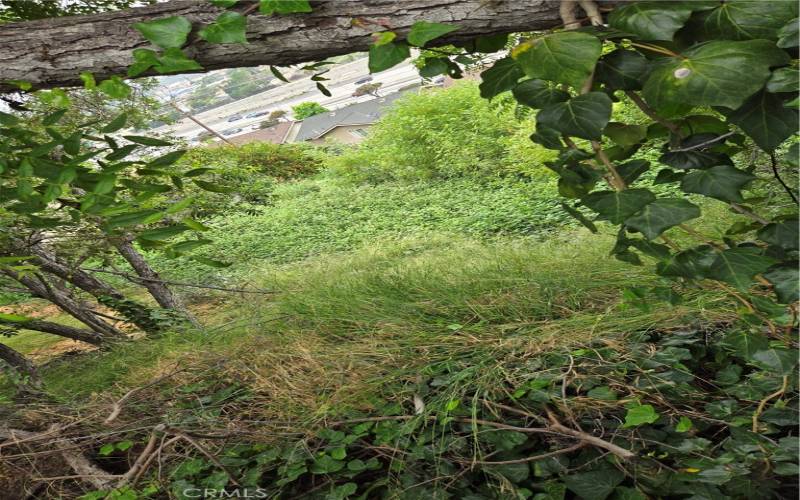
(343, 325)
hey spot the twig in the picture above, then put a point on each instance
(646, 109)
(532, 458)
(742, 210)
(704, 144)
(774, 164)
(117, 406)
(619, 451)
(766, 400)
(207, 453)
(139, 280)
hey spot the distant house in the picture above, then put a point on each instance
(276, 134)
(346, 125)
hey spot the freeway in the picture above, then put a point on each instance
(341, 85)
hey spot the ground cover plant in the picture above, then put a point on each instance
(650, 353)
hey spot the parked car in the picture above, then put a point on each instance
(364, 80)
(232, 131)
(256, 114)
(235, 117)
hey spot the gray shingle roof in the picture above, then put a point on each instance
(362, 113)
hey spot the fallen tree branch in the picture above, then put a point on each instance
(533, 458)
(139, 280)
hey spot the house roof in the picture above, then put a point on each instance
(275, 134)
(362, 113)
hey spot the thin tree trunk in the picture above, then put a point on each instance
(136, 313)
(57, 329)
(54, 52)
(23, 366)
(151, 280)
(40, 288)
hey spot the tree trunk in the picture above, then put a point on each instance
(107, 295)
(151, 280)
(40, 288)
(53, 52)
(57, 329)
(23, 366)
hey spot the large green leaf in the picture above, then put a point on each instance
(710, 74)
(624, 134)
(737, 266)
(722, 182)
(693, 263)
(132, 218)
(748, 19)
(784, 80)
(632, 170)
(745, 343)
(789, 34)
(783, 234)
(538, 94)
(686, 160)
(662, 214)
(115, 124)
(169, 32)
(385, 56)
(564, 57)
(779, 361)
(651, 20)
(594, 484)
(622, 69)
(785, 282)
(765, 119)
(423, 32)
(502, 76)
(616, 206)
(175, 61)
(640, 415)
(229, 27)
(583, 116)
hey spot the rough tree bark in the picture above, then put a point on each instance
(53, 52)
(151, 280)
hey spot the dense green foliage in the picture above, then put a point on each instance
(446, 133)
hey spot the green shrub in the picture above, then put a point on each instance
(445, 134)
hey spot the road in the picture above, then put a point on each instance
(341, 85)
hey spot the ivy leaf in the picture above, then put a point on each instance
(632, 170)
(709, 74)
(616, 206)
(564, 57)
(538, 94)
(651, 20)
(229, 27)
(783, 234)
(423, 32)
(114, 87)
(789, 34)
(268, 7)
(146, 141)
(594, 484)
(434, 66)
(502, 76)
(684, 424)
(169, 32)
(385, 56)
(686, 160)
(175, 61)
(748, 20)
(661, 215)
(785, 281)
(640, 415)
(625, 135)
(744, 343)
(778, 361)
(737, 266)
(764, 118)
(722, 182)
(144, 59)
(8, 120)
(622, 69)
(583, 116)
(784, 80)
